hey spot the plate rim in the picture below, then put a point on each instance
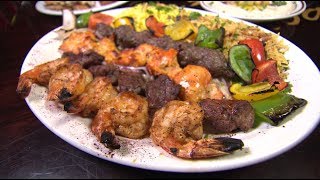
(155, 167)
(292, 14)
(41, 8)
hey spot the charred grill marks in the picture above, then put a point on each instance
(109, 140)
(64, 94)
(230, 144)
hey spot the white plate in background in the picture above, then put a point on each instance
(293, 8)
(40, 6)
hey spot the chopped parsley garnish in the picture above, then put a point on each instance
(160, 7)
(194, 15)
(149, 12)
(235, 35)
(279, 3)
(152, 3)
(164, 8)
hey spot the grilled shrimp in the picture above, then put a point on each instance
(126, 115)
(68, 82)
(197, 84)
(79, 42)
(177, 128)
(40, 74)
(98, 93)
(161, 61)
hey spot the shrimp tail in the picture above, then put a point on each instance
(40, 75)
(205, 148)
(69, 107)
(102, 127)
(24, 86)
(109, 139)
(230, 144)
(64, 95)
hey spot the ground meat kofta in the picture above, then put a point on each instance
(225, 116)
(211, 59)
(160, 91)
(109, 70)
(86, 59)
(129, 80)
(103, 30)
(126, 37)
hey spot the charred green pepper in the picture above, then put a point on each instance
(210, 38)
(240, 62)
(259, 118)
(277, 107)
(83, 20)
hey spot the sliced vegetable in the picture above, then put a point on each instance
(267, 71)
(156, 27)
(249, 89)
(255, 96)
(279, 106)
(259, 118)
(69, 20)
(96, 18)
(241, 63)
(210, 38)
(257, 50)
(83, 20)
(123, 21)
(180, 30)
(253, 92)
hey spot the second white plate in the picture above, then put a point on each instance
(270, 13)
(40, 6)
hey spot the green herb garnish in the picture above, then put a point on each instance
(279, 3)
(194, 15)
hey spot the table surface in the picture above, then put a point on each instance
(29, 150)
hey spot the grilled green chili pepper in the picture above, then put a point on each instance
(210, 38)
(83, 19)
(241, 63)
(277, 107)
(259, 118)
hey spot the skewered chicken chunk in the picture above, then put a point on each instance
(197, 84)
